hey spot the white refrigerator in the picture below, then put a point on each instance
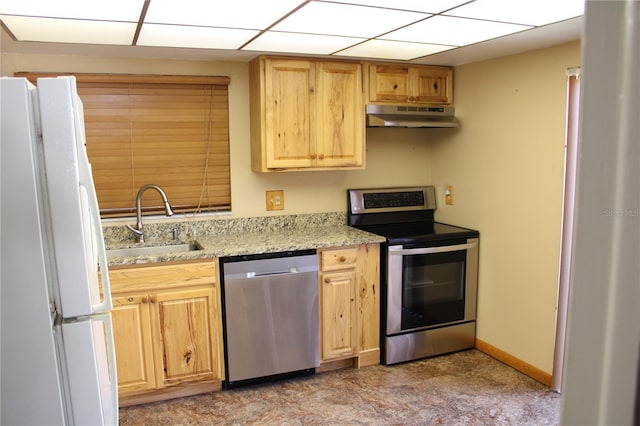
(57, 360)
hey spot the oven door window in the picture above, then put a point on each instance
(432, 289)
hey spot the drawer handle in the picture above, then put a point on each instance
(342, 259)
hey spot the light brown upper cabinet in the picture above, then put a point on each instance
(411, 85)
(306, 115)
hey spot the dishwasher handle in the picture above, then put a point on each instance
(256, 273)
(266, 274)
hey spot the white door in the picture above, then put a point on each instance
(87, 354)
(31, 386)
(77, 234)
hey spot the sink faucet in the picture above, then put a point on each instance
(167, 209)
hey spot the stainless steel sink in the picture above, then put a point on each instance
(153, 250)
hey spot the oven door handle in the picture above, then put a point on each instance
(431, 250)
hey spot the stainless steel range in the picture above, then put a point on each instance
(429, 272)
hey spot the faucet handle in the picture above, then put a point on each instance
(139, 232)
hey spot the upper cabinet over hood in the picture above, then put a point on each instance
(401, 84)
(400, 95)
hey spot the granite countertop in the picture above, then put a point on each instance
(247, 240)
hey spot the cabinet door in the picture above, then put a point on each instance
(338, 314)
(289, 108)
(430, 85)
(410, 85)
(134, 350)
(184, 323)
(340, 115)
(369, 303)
(389, 83)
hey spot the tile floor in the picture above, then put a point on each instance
(464, 388)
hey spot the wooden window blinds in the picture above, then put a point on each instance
(172, 131)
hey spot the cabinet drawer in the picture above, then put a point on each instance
(161, 275)
(335, 259)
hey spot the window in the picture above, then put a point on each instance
(172, 131)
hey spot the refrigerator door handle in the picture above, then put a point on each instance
(85, 177)
(106, 304)
(111, 355)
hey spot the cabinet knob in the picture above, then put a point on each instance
(321, 156)
(342, 259)
(145, 299)
(327, 280)
(130, 299)
(313, 156)
(395, 86)
(153, 299)
(411, 98)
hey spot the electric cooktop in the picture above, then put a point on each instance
(402, 215)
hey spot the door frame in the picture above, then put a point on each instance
(564, 275)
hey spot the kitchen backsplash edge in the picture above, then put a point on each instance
(190, 230)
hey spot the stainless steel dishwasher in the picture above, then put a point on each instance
(270, 316)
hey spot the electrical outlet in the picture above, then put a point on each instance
(448, 195)
(275, 200)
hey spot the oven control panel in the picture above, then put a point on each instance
(378, 200)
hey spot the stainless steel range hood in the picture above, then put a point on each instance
(410, 116)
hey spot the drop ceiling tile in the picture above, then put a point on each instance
(112, 10)
(193, 37)
(346, 20)
(431, 6)
(247, 14)
(529, 12)
(393, 50)
(70, 30)
(274, 41)
(453, 31)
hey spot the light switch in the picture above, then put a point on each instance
(448, 195)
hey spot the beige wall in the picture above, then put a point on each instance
(506, 164)
(394, 156)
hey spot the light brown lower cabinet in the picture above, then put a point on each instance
(339, 322)
(350, 304)
(167, 329)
